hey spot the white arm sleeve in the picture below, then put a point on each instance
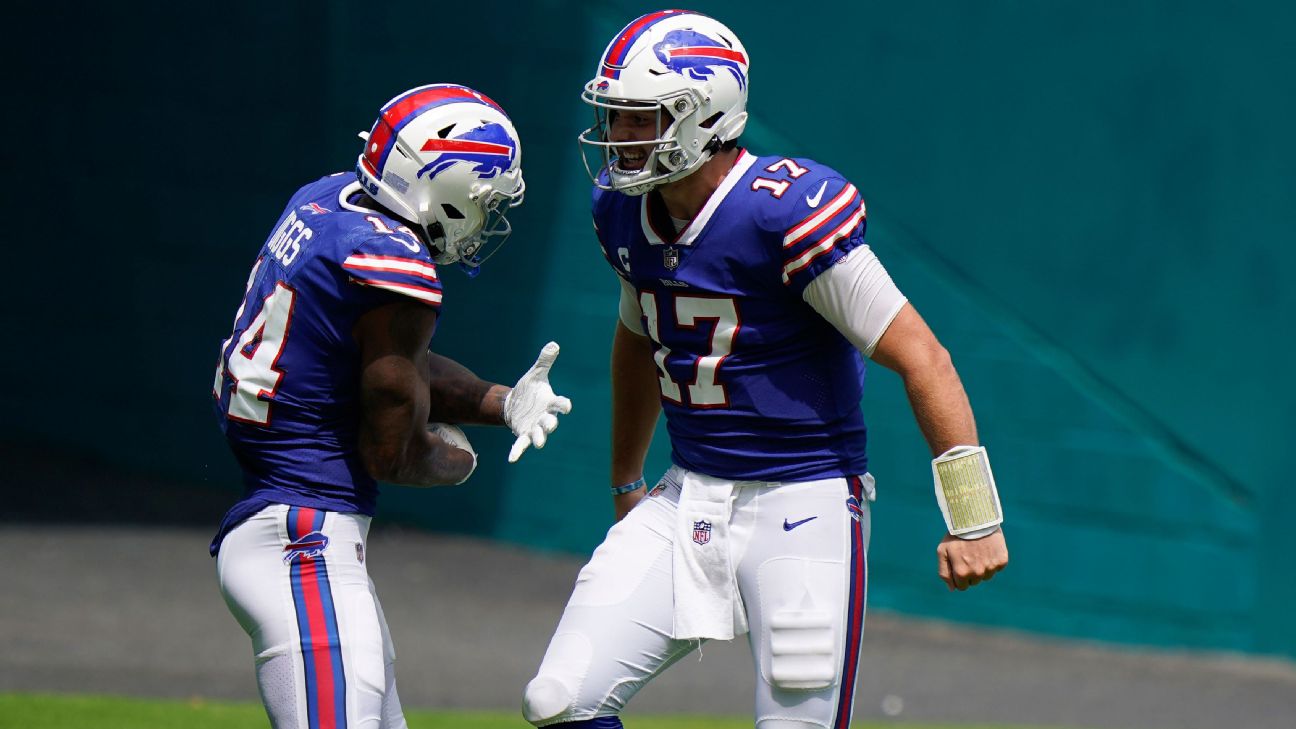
(631, 312)
(857, 296)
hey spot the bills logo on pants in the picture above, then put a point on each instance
(310, 546)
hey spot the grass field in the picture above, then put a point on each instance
(50, 711)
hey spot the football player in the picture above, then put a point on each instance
(749, 300)
(326, 384)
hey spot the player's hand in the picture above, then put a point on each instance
(531, 408)
(454, 436)
(962, 563)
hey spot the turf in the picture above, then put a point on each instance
(51, 711)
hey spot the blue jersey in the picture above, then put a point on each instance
(755, 384)
(287, 387)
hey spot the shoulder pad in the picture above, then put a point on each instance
(393, 260)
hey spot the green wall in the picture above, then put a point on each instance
(1094, 207)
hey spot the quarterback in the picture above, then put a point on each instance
(749, 303)
(326, 384)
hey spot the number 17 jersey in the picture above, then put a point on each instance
(754, 383)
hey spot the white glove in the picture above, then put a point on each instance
(531, 407)
(454, 435)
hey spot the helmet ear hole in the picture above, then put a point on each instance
(452, 212)
(711, 120)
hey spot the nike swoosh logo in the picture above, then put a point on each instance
(813, 200)
(787, 527)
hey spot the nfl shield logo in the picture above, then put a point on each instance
(701, 531)
(671, 258)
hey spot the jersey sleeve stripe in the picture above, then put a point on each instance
(803, 229)
(392, 264)
(422, 293)
(800, 262)
(826, 229)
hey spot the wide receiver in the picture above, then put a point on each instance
(749, 299)
(326, 384)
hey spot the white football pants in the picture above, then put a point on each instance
(799, 553)
(296, 581)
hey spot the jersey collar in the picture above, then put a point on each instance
(694, 228)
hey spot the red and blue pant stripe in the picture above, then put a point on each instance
(321, 648)
(854, 609)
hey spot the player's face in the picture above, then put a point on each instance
(634, 126)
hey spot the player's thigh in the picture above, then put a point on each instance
(803, 580)
(304, 596)
(614, 634)
(254, 580)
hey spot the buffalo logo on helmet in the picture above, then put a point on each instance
(695, 55)
(489, 147)
(305, 548)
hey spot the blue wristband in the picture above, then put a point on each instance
(627, 488)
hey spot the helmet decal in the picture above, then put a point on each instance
(400, 111)
(488, 146)
(614, 58)
(696, 55)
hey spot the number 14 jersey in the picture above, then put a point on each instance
(287, 386)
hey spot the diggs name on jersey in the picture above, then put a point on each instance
(286, 243)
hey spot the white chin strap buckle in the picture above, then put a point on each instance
(965, 490)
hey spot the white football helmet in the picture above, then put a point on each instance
(692, 72)
(447, 159)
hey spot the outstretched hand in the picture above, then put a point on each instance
(531, 408)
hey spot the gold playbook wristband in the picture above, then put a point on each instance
(965, 490)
